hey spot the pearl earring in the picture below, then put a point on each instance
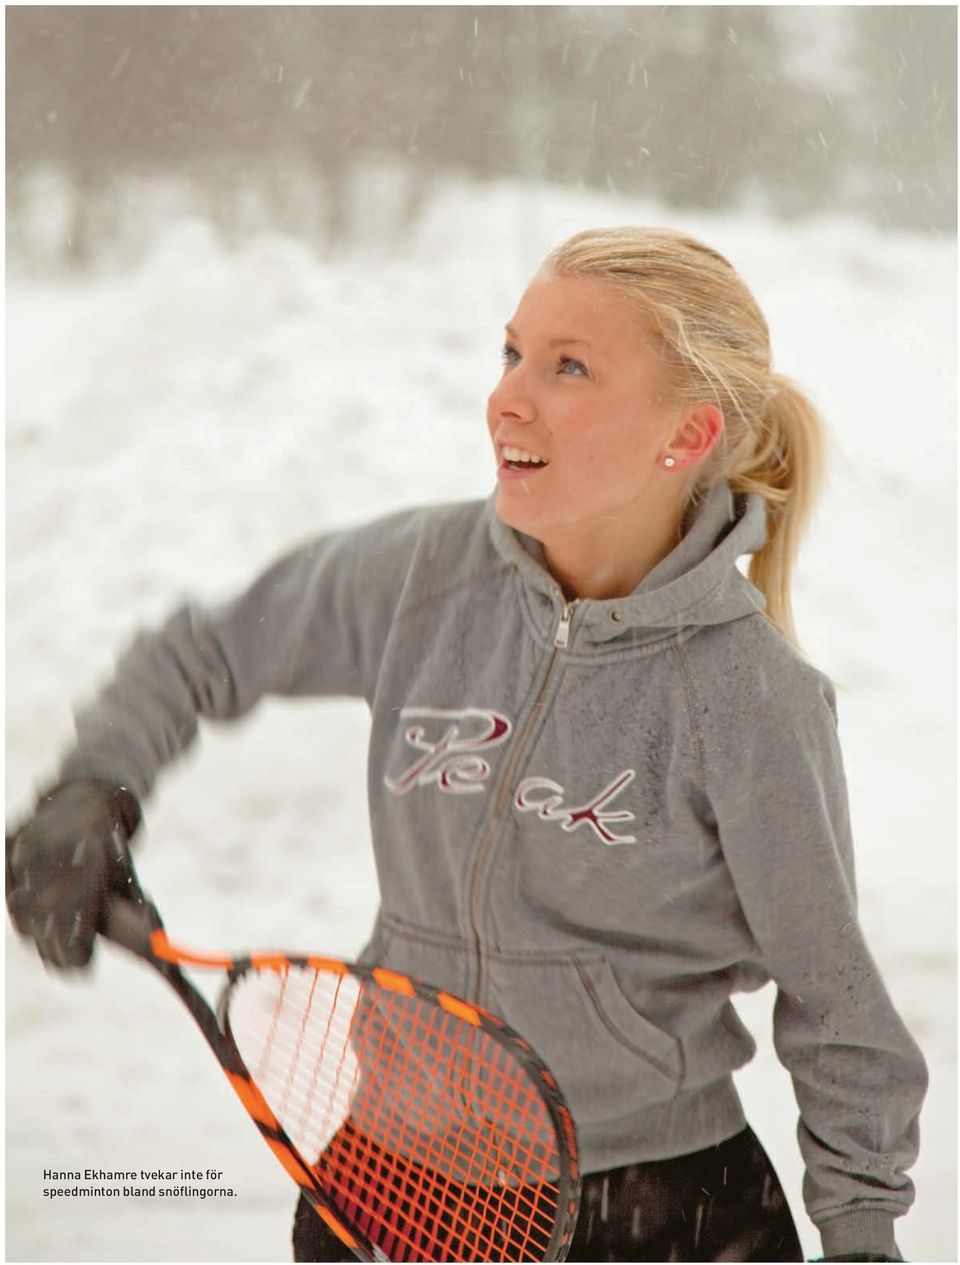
(669, 462)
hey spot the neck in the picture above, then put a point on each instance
(610, 558)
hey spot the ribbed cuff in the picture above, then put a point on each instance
(860, 1230)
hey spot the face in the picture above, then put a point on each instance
(578, 419)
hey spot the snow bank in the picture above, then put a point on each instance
(171, 430)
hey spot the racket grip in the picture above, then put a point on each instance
(130, 917)
(130, 924)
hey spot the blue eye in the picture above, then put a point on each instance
(577, 366)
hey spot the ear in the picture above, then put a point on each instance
(698, 432)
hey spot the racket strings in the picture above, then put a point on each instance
(426, 1132)
(416, 1214)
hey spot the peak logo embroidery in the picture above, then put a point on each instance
(530, 798)
(450, 762)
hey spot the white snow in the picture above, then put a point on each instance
(171, 430)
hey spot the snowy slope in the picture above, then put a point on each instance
(171, 431)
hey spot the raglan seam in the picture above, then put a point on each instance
(690, 697)
(428, 599)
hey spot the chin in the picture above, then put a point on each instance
(518, 512)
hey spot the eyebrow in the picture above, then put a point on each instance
(554, 342)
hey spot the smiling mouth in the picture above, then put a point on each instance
(521, 459)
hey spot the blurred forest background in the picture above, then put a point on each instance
(275, 116)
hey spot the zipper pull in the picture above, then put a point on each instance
(563, 628)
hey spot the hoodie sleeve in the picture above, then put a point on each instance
(777, 785)
(315, 622)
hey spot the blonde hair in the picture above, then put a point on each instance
(717, 347)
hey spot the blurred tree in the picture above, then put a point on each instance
(732, 120)
(905, 61)
(273, 114)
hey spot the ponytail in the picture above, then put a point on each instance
(787, 469)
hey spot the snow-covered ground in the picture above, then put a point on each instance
(171, 430)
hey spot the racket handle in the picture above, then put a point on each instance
(130, 915)
(130, 923)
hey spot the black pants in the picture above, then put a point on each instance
(724, 1203)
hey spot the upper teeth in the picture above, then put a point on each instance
(521, 454)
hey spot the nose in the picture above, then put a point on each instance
(509, 402)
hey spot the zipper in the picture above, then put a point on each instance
(560, 642)
(563, 628)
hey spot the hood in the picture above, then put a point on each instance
(697, 584)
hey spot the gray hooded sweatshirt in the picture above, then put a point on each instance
(598, 819)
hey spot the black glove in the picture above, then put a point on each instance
(64, 861)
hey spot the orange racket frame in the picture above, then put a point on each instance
(514, 1196)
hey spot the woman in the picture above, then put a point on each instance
(605, 788)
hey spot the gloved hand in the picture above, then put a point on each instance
(64, 861)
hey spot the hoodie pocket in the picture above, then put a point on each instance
(435, 957)
(608, 1059)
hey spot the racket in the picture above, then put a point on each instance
(418, 1126)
